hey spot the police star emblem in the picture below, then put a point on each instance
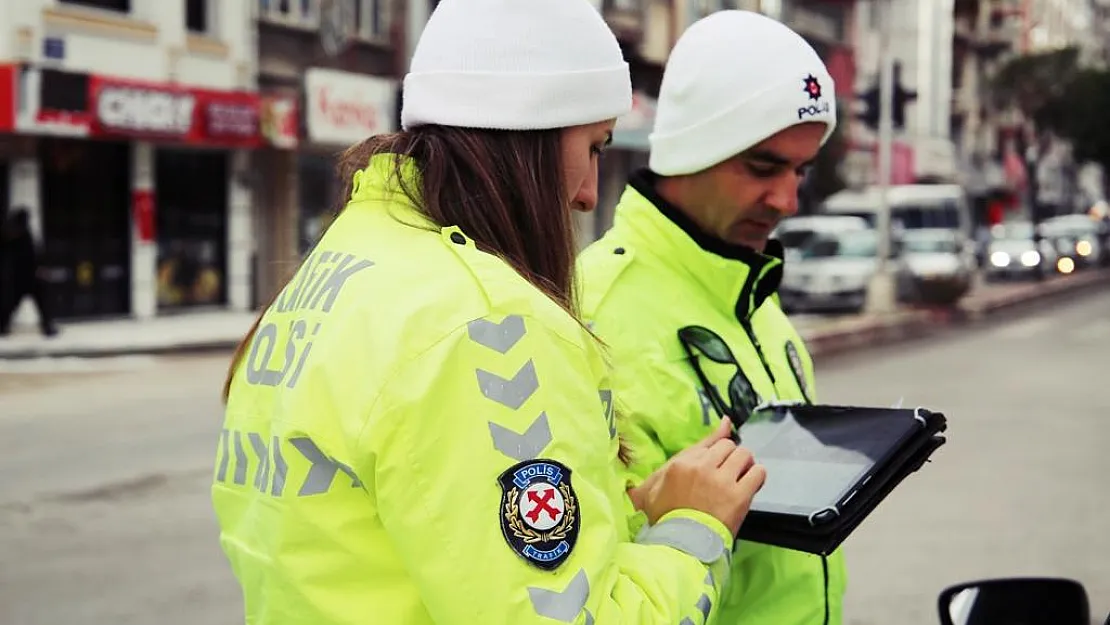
(539, 512)
(812, 87)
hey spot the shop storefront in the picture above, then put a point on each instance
(191, 227)
(86, 251)
(191, 131)
(138, 200)
(340, 109)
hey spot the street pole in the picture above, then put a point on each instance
(1032, 159)
(881, 291)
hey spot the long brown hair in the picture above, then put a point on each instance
(504, 189)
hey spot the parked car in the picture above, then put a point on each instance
(1078, 237)
(795, 232)
(941, 263)
(1012, 253)
(834, 271)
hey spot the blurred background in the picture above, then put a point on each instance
(178, 155)
(175, 158)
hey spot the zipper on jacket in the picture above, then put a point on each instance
(825, 573)
(747, 325)
(741, 312)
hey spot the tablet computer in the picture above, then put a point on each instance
(818, 457)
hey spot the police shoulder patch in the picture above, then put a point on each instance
(795, 360)
(539, 512)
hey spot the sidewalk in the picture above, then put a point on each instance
(223, 330)
(857, 332)
(175, 333)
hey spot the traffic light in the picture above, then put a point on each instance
(901, 98)
(870, 114)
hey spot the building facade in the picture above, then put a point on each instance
(180, 155)
(998, 174)
(132, 123)
(328, 78)
(921, 36)
(128, 139)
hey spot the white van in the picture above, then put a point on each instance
(912, 206)
(795, 232)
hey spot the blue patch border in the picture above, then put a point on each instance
(544, 550)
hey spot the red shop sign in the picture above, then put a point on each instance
(199, 116)
(8, 74)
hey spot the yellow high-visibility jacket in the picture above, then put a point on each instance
(652, 274)
(417, 435)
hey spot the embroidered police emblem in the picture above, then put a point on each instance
(539, 512)
(795, 360)
(812, 87)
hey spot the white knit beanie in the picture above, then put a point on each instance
(515, 65)
(734, 79)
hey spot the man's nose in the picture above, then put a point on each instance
(783, 197)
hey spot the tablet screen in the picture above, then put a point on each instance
(817, 455)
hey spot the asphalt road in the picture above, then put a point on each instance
(105, 517)
(1023, 485)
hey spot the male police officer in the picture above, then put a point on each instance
(681, 287)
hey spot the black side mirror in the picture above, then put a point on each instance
(1028, 601)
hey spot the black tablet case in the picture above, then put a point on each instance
(822, 530)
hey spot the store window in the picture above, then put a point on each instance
(372, 19)
(198, 17)
(122, 6)
(86, 227)
(191, 191)
(305, 13)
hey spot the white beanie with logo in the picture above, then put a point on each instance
(734, 79)
(515, 65)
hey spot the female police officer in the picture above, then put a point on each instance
(418, 429)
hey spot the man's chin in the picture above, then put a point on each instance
(757, 245)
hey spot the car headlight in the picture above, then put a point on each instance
(1030, 258)
(1000, 259)
(1084, 248)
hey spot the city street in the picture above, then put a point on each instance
(1022, 486)
(105, 516)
